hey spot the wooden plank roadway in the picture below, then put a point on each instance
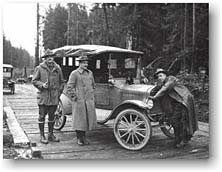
(102, 141)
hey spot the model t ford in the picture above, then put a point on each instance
(8, 83)
(119, 93)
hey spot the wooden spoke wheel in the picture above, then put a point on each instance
(132, 129)
(60, 118)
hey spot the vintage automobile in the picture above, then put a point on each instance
(8, 82)
(119, 93)
(21, 80)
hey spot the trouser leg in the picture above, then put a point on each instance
(177, 138)
(177, 123)
(185, 123)
(84, 138)
(80, 135)
(51, 122)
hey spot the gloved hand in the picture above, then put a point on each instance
(45, 85)
(152, 97)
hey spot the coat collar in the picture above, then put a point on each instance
(82, 70)
(44, 65)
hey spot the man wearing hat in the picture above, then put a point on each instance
(81, 87)
(178, 104)
(48, 79)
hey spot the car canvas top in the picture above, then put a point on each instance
(78, 50)
(7, 65)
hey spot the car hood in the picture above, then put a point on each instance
(140, 88)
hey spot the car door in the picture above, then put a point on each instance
(102, 91)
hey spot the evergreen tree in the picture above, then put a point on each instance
(55, 27)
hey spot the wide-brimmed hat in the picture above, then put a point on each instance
(82, 58)
(159, 70)
(48, 53)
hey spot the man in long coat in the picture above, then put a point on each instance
(81, 87)
(48, 78)
(178, 104)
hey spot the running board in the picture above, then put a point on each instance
(156, 124)
(102, 115)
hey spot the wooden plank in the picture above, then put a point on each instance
(16, 130)
(154, 150)
(103, 144)
(25, 108)
(29, 104)
(27, 111)
(104, 140)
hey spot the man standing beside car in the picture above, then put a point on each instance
(48, 79)
(178, 104)
(81, 87)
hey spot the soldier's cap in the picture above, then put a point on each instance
(82, 58)
(48, 53)
(159, 70)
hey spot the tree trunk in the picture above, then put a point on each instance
(68, 25)
(193, 40)
(185, 35)
(107, 24)
(134, 28)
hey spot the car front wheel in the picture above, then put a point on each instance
(60, 118)
(132, 129)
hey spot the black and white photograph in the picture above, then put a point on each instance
(105, 81)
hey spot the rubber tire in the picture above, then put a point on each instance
(63, 120)
(167, 133)
(147, 122)
(13, 89)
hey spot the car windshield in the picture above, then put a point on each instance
(122, 67)
(116, 65)
(7, 72)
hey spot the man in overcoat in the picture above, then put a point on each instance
(81, 87)
(178, 104)
(48, 79)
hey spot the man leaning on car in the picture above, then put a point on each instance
(178, 104)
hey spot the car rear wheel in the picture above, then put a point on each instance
(13, 89)
(60, 118)
(168, 130)
(132, 129)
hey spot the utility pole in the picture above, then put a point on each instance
(37, 39)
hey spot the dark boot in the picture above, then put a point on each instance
(42, 134)
(51, 136)
(79, 138)
(84, 138)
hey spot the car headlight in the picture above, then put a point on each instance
(149, 103)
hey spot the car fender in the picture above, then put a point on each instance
(127, 104)
(66, 103)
